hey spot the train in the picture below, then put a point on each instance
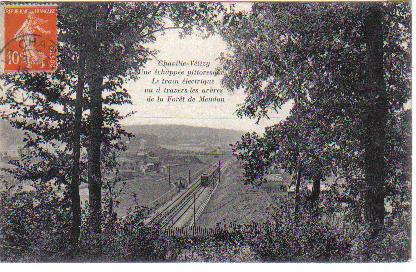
(207, 179)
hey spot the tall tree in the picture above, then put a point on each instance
(116, 35)
(317, 53)
(49, 108)
(76, 153)
(100, 49)
(374, 118)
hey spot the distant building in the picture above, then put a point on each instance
(149, 167)
(156, 163)
(127, 163)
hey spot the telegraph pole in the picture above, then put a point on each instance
(189, 177)
(194, 210)
(219, 171)
(169, 173)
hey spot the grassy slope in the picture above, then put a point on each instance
(235, 202)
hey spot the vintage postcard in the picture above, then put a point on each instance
(205, 132)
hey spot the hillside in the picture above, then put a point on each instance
(180, 134)
(153, 135)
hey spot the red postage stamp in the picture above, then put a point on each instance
(30, 39)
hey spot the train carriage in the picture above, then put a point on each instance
(207, 179)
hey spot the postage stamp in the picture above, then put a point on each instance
(30, 39)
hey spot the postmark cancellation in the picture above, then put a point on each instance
(29, 39)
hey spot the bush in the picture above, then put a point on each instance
(300, 236)
(126, 239)
(391, 245)
(331, 233)
(35, 226)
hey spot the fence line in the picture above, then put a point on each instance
(200, 231)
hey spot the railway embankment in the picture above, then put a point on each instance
(234, 202)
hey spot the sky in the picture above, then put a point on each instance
(215, 115)
(171, 47)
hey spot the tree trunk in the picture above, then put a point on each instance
(76, 153)
(94, 154)
(95, 82)
(316, 189)
(374, 121)
(297, 188)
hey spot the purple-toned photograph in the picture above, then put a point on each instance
(183, 132)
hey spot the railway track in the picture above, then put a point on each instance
(173, 212)
(179, 211)
(155, 203)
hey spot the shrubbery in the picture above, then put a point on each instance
(391, 245)
(34, 224)
(35, 227)
(300, 236)
(330, 234)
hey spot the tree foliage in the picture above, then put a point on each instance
(320, 58)
(71, 122)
